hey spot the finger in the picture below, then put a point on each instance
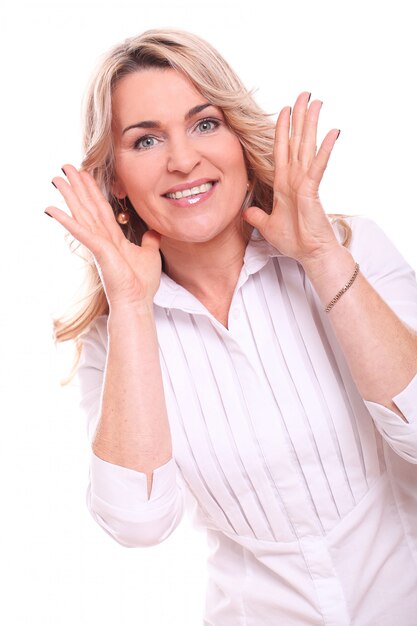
(72, 201)
(257, 218)
(78, 231)
(104, 209)
(281, 144)
(297, 123)
(151, 239)
(308, 144)
(319, 163)
(89, 205)
(80, 191)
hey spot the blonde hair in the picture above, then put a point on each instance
(218, 83)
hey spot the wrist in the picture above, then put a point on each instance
(330, 273)
(327, 264)
(130, 310)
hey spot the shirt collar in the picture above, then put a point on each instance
(172, 295)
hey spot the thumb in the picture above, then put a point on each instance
(256, 217)
(151, 239)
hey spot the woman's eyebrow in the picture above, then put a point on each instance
(155, 124)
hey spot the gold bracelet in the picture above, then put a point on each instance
(343, 290)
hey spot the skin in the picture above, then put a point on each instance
(204, 248)
(180, 151)
(203, 245)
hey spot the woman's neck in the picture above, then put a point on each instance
(208, 270)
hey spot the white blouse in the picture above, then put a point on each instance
(308, 492)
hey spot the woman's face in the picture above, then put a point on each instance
(182, 168)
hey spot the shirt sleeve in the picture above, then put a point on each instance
(395, 280)
(117, 497)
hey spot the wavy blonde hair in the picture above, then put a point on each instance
(218, 83)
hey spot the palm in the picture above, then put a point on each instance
(297, 225)
(130, 273)
(135, 270)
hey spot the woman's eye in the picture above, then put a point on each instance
(144, 142)
(207, 125)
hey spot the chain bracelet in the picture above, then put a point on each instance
(343, 290)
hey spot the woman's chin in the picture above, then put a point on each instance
(203, 232)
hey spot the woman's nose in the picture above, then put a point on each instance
(182, 156)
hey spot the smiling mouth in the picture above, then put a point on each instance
(192, 191)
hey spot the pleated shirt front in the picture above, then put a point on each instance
(307, 490)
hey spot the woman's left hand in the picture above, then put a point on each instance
(298, 226)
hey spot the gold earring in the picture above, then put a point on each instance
(123, 216)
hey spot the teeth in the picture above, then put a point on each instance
(185, 193)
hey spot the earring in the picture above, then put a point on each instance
(123, 216)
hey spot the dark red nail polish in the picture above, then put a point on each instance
(63, 170)
(48, 214)
(309, 98)
(54, 184)
(338, 135)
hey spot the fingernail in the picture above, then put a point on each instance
(54, 184)
(49, 215)
(338, 135)
(63, 171)
(290, 111)
(309, 98)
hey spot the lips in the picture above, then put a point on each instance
(192, 193)
(190, 188)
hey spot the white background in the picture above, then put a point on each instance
(58, 568)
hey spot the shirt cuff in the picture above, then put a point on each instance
(400, 435)
(406, 401)
(117, 498)
(126, 489)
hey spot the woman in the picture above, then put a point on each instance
(250, 357)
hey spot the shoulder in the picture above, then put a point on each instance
(94, 342)
(360, 225)
(372, 247)
(97, 331)
(383, 265)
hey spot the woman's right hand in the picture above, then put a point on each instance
(130, 273)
